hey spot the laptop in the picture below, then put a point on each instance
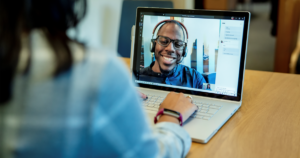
(206, 60)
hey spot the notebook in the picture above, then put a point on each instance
(201, 53)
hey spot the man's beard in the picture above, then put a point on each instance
(166, 72)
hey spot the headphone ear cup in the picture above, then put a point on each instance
(152, 46)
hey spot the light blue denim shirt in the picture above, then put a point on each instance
(93, 110)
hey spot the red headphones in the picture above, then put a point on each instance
(153, 43)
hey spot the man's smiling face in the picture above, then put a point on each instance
(166, 57)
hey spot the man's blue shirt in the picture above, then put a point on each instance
(180, 76)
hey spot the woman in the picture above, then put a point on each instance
(61, 99)
(208, 87)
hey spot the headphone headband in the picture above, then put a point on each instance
(187, 35)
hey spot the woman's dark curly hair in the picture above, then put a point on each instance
(54, 17)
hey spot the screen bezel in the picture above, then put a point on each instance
(135, 67)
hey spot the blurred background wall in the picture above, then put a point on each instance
(273, 34)
(100, 27)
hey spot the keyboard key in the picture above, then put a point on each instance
(152, 109)
(206, 118)
(212, 111)
(204, 115)
(202, 111)
(151, 105)
(205, 105)
(199, 117)
(159, 100)
(214, 107)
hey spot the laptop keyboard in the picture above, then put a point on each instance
(205, 112)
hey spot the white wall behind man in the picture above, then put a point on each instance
(100, 27)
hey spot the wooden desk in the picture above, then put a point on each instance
(266, 126)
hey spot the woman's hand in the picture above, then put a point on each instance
(180, 103)
(143, 96)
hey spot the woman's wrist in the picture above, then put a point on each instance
(168, 118)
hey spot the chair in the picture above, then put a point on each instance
(210, 77)
(295, 57)
(287, 34)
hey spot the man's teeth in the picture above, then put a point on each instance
(169, 59)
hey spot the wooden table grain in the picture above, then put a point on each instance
(266, 126)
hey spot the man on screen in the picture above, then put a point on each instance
(169, 48)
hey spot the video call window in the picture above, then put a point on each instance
(198, 53)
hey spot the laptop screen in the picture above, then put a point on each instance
(190, 52)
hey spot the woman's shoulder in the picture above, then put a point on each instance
(100, 58)
(99, 62)
(96, 72)
(90, 55)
